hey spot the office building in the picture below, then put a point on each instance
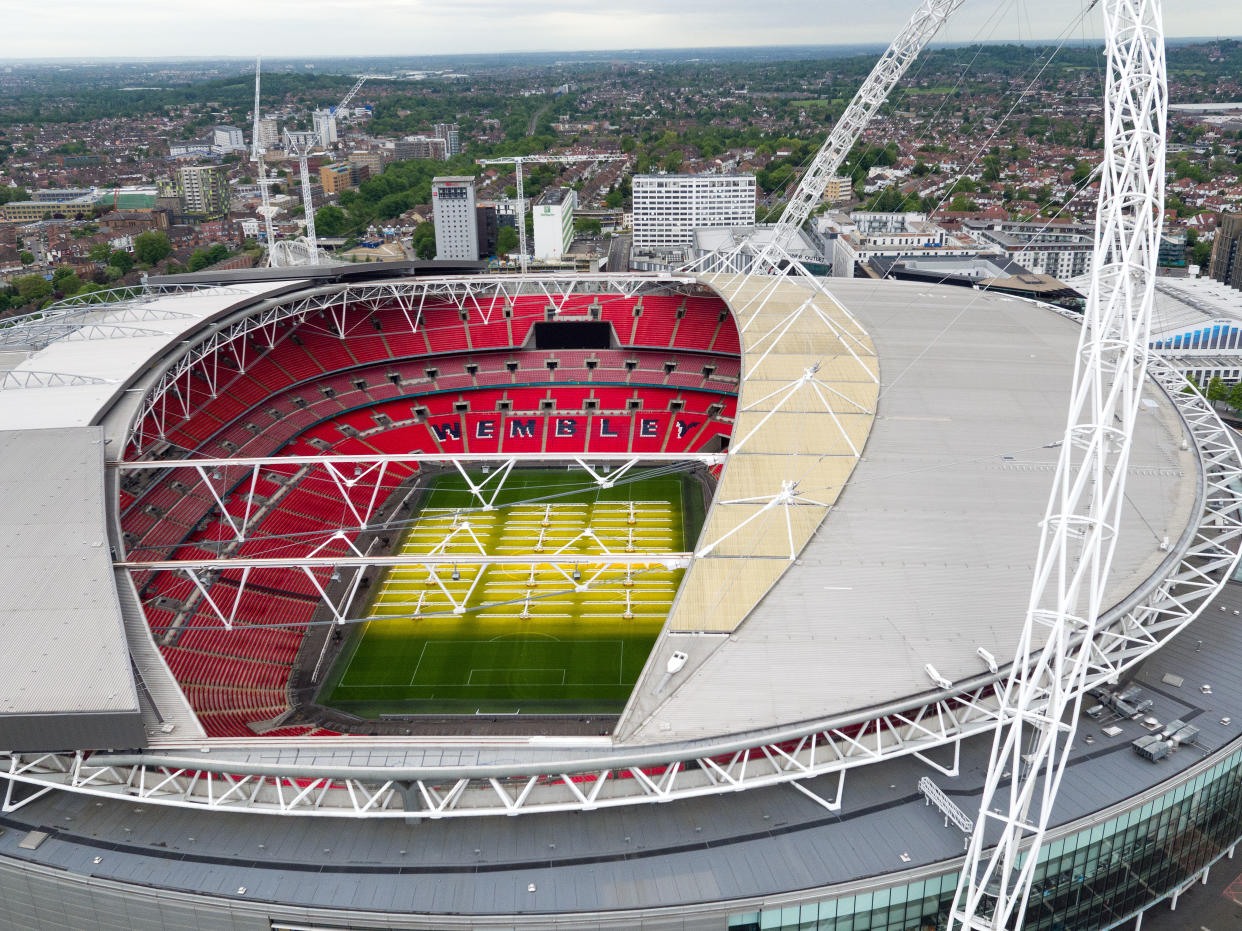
(554, 223)
(456, 220)
(1225, 265)
(668, 208)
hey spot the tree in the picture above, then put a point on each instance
(1235, 397)
(1217, 390)
(27, 258)
(587, 226)
(330, 221)
(614, 199)
(99, 252)
(121, 261)
(506, 240)
(151, 246)
(424, 240)
(33, 288)
(66, 282)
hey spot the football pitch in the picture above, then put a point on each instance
(520, 639)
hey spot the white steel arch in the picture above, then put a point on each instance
(1040, 702)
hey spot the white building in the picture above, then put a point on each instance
(668, 208)
(1063, 251)
(269, 134)
(456, 217)
(325, 127)
(226, 139)
(554, 223)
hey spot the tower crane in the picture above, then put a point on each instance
(257, 151)
(299, 149)
(517, 161)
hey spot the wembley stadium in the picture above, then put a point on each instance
(413, 596)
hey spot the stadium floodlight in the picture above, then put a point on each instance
(1041, 700)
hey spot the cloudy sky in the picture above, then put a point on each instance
(279, 28)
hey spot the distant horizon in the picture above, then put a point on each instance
(300, 30)
(568, 54)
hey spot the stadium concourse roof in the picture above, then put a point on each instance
(67, 681)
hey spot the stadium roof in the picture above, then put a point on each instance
(60, 621)
(926, 556)
(929, 553)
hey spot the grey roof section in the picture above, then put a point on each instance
(64, 647)
(737, 848)
(929, 552)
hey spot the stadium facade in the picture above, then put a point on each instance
(200, 478)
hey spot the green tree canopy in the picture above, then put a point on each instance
(331, 221)
(121, 260)
(33, 288)
(424, 240)
(151, 246)
(506, 240)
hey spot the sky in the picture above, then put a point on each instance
(317, 28)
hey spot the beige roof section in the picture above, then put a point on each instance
(808, 393)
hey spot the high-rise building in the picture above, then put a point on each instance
(269, 134)
(1226, 262)
(554, 223)
(203, 190)
(668, 208)
(456, 220)
(226, 139)
(451, 136)
(325, 127)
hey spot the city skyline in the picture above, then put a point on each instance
(283, 28)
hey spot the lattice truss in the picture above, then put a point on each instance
(207, 367)
(534, 553)
(1062, 650)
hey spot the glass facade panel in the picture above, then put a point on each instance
(1086, 881)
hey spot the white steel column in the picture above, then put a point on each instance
(1041, 700)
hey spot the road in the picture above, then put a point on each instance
(1214, 907)
(530, 130)
(619, 252)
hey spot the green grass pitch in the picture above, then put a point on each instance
(527, 642)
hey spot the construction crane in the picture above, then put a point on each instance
(299, 149)
(353, 91)
(349, 95)
(893, 64)
(517, 161)
(257, 152)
